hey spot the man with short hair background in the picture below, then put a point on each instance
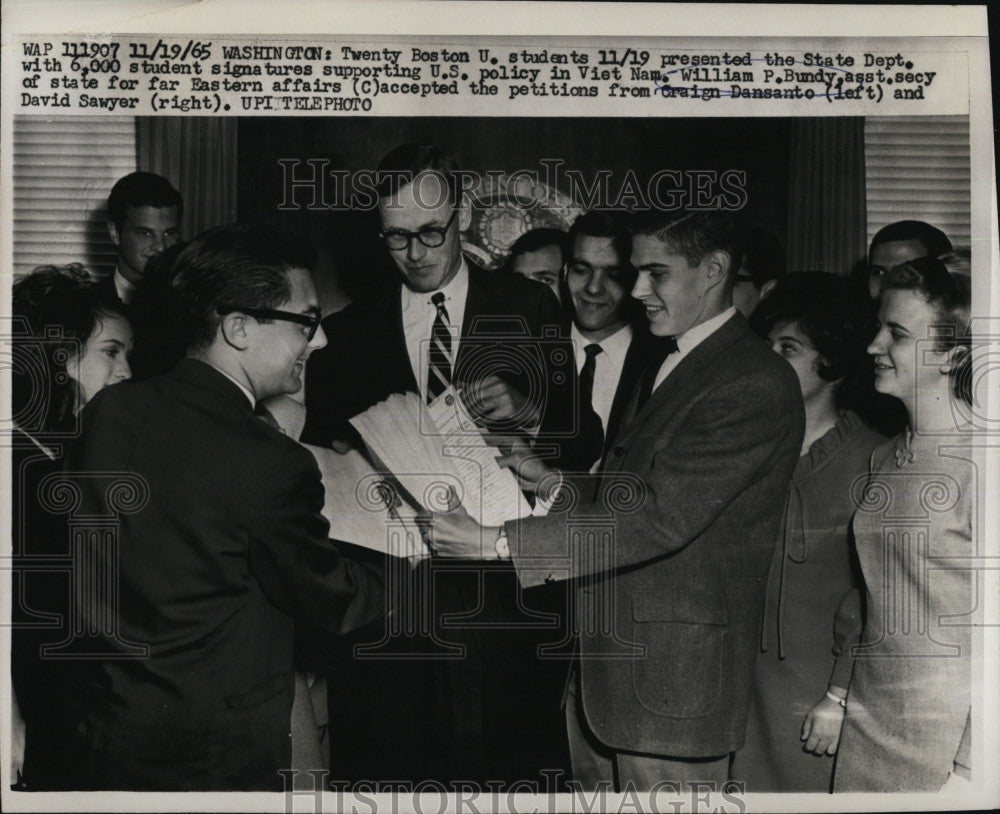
(144, 215)
(670, 561)
(223, 546)
(899, 242)
(610, 336)
(538, 254)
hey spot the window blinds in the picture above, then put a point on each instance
(918, 168)
(64, 168)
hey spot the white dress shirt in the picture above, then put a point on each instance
(608, 366)
(125, 289)
(418, 322)
(689, 340)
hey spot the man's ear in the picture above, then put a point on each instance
(464, 213)
(113, 233)
(234, 330)
(717, 264)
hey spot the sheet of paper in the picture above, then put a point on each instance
(366, 507)
(492, 492)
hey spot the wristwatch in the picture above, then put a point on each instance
(501, 546)
(837, 699)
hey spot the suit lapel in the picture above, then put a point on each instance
(392, 308)
(635, 363)
(690, 366)
(476, 304)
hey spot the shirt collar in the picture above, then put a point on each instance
(456, 288)
(614, 347)
(693, 337)
(125, 289)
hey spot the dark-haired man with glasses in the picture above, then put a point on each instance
(223, 547)
(491, 713)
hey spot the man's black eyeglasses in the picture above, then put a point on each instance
(311, 321)
(430, 236)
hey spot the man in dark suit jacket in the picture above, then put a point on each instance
(671, 560)
(456, 690)
(609, 331)
(220, 541)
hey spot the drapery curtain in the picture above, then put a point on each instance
(198, 156)
(827, 219)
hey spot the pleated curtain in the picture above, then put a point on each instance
(827, 221)
(198, 156)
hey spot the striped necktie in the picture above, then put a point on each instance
(439, 361)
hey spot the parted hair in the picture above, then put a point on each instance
(141, 189)
(235, 265)
(402, 164)
(694, 236)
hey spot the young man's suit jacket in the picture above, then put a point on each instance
(220, 547)
(683, 533)
(641, 351)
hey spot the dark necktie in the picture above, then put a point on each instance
(664, 347)
(439, 361)
(587, 397)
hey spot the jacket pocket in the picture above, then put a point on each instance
(686, 635)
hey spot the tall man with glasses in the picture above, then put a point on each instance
(465, 695)
(221, 545)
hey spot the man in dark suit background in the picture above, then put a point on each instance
(670, 562)
(456, 690)
(144, 215)
(221, 544)
(609, 331)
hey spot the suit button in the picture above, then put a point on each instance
(618, 451)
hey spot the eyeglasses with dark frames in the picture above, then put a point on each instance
(310, 321)
(430, 236)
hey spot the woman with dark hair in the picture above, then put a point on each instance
(803, 666)
(908, 711)
(68, 344)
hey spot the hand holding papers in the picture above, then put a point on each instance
(494, 401)
(430, 448)
(531, 472)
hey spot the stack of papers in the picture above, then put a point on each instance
(416, 456)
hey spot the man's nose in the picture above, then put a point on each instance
(318, 341)
(159, 243)
(641, 287)
(415, 249)
(595, 283)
